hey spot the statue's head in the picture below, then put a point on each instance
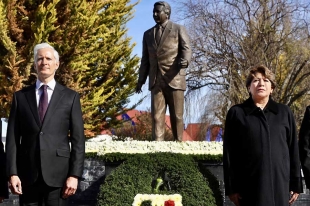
(161, 12)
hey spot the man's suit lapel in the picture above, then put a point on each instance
(32, 101)
(152, 36)
(165, 33)
(55, 99)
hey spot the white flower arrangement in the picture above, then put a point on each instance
(104, 144)
(157, 199)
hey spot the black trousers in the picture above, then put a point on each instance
(40, 194)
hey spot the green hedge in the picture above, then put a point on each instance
(115, 157)
(136, 174)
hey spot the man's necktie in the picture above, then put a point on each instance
(158, 34)
(43, 103)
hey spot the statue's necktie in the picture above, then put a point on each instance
(43, 103)
(158, 34)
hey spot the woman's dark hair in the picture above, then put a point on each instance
(267, 73)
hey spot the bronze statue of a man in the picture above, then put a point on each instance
(165, 56)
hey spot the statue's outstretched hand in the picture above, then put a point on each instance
(183, 63)
(138, 87)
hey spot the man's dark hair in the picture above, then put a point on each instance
(166, 7)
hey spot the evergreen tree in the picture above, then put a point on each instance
(95, 53)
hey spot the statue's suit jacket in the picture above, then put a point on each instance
(174, 45)
(32, 146)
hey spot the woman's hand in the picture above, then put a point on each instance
(235, 198)
(293, 198)
(1, 199)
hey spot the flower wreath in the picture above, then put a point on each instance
(158, 199)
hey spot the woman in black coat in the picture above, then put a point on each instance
(261, 158)
(304, 146)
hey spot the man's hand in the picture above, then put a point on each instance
(235, 198)
(138, 87)
(293, 198)
(15, 185)
(70, 187)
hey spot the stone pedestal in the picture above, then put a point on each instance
(93, 176)
(95, 171)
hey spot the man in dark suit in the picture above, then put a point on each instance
(165, 56)
(45, 117)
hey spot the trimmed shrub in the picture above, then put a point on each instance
(114, 157)
(137, 173)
